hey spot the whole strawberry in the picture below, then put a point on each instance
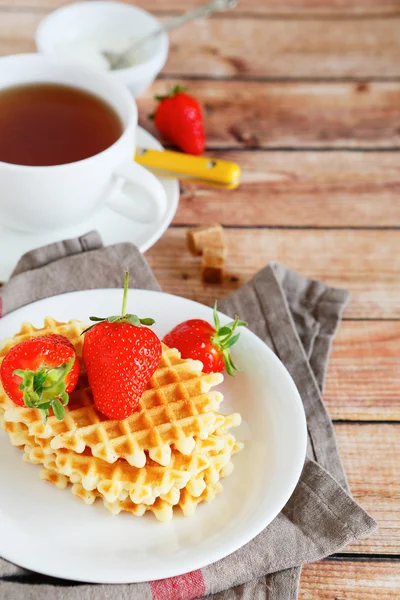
(120, 356)
(180, 119)
(40, 373)
(199, 340)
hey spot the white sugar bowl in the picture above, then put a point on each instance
(81, 31)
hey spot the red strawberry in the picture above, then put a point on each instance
(179, 118)
(120, 356)
(199, 340)
(40, 373)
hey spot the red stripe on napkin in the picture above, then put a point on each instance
(184, 587)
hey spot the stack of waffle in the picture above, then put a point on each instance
(172, 451)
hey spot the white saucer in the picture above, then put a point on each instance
(112, 226)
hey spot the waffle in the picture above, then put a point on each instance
(210, 461)
(172, 451)
(120, 480)
(176, 406)
(117, 480)
(163, 506)
(202, 485)
(71, 330)
(18, 433)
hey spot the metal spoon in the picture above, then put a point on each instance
(118, 60)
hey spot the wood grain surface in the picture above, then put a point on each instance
(350, 580)
(290, 48)
(362, 261)
(371, 458)
(300, 189)
(256, 47)
(286, 8)
(304, 95)
(289, 115)
(363, 376)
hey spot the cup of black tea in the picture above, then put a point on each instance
(67, 142)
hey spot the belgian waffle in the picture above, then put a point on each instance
(172, 451)
(120, 480)
(162, 507)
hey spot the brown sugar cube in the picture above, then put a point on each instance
(204, 236)
(212, 266)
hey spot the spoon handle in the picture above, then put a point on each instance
(201, 11)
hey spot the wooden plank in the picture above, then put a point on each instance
(287, 47)
(365, 262)
(350, 580)
(291, 115)
(17, 30)
(371, 458)
(258, 7)
(301, 189)
(268, 47)
(363, 377)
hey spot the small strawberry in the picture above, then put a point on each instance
(199, 340)
(180, 119)
(120, 356)
(40, 373)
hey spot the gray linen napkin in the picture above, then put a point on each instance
(297, 318)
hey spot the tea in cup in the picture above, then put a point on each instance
(67, 142)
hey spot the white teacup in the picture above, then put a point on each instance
(40, 198)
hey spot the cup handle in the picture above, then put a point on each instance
(132, 181)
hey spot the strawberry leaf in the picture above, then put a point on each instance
(45, 388)
(39, 379)
(58, 410)
(225, 337)
(133, 320)
(226, 330)
(217, 322)
(241, 323)
(27, 400)
(44, 405)
(64, 398)
(229, 364)
(147, 321)
(177, 89)
(231, 341)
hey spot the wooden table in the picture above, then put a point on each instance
(305, 96)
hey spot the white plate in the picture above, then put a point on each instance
(112, 226)
(52, 532)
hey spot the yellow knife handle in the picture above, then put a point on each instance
(213, 171)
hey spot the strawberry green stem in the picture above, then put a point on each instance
(125, 297)
(177, 89)
(124, 317)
